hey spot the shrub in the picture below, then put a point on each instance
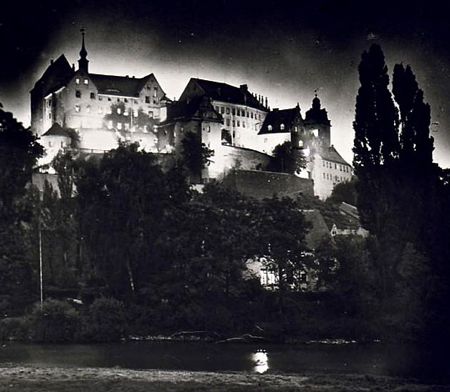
(105, 320)
(14, 328)
(56, 322)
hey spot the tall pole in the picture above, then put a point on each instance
(41, 286)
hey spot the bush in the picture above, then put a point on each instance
(105, 321)
(56, 322)
(14, 328)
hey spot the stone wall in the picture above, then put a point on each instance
(263, 184)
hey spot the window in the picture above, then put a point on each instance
(127, 126)
(125, 100)
(118, 99)
(243, 124)
(238, 123)
(86, 81)
(78, 93)
(62, 144)
(248, 114)
(269, 127)
(234, 123)
(323, 163)
(228, 122)
(222, 110)
(135, 113)
(324, 175)
(100, 110)
(150, 114)
(100, 98)
(119, 125)
(228, 110)
(233, 111)
(147, 99)
(109, 99)
(335, 166)
(282, 127)
(251, 114)
(49, 103)
(77, 81)
(77, 108)
(110, 124)
(217, 108)
(125, 113)
(155, 101)
(135, 101)
(119, 111)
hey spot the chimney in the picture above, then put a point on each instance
(51, 61)
(266, 104)
(243, 87)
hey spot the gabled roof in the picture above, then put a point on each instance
(330, 154)
(224, 92)
(57, 130)
(57, 74)
(119, 85)
(276, 118)
(198, 107)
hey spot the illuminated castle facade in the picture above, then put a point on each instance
(94, 112)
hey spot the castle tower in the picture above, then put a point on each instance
(83, 62)
(317, 122)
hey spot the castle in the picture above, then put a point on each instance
(92, 113)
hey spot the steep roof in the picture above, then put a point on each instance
(276, 118)
(317, 115)
(119, 85)
(330, 154)
(57, 130)
(57, 74)
(197, 107)
(224, 92)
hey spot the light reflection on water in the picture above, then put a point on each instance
(260, 360)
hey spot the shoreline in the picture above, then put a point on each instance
(52, 379)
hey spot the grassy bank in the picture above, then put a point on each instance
(28, 379)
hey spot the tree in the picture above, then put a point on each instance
(195, 154)
(287, 159)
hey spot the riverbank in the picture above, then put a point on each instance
(33, 379)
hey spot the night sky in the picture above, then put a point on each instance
(282, 49)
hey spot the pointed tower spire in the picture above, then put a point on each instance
(83, 62)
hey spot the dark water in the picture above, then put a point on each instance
(375, 359)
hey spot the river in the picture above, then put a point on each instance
(372, 359)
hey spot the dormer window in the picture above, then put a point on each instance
(78, 93)
(119, 111)
(269, 127)
(86, 81)
(77, 81)
(92, 95)
(282, 127)
(77, 108)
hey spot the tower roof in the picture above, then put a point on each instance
(316, 114)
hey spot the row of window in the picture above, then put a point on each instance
(282, 127)
(328, 176)
(109, 111)
(331, 165)
(237, 112)
(147, 98)
(85, 81)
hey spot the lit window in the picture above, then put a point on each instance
(119, 111)
(150, 114)
(269, 127)
(77, 81)
(127, 126)
(282, 127)
(78, 93)
(86, 81)
(92, 95)
(110, 124)
(135, 113)
(125, 113)
(119, 125)
(77, 108)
